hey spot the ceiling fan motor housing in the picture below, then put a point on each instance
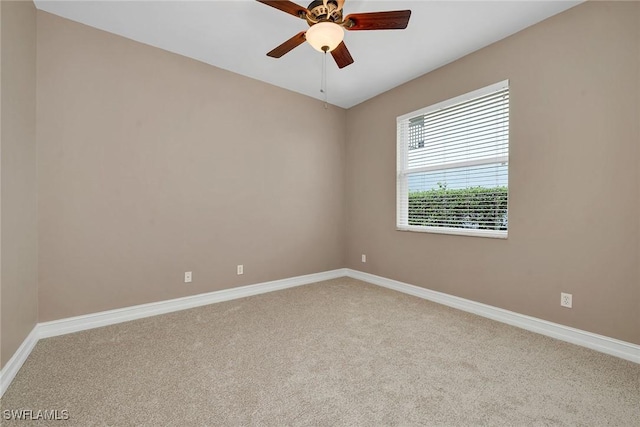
(323, 11)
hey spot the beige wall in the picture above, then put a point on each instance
(18, 279)
(574, 183)
(152, 164)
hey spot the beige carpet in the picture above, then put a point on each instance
(340, 352)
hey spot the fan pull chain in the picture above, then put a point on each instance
(323, 83)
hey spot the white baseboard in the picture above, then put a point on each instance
(9, 371)
(582, 338)
(111, 317)
(600, 343)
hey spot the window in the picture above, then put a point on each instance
(453, 164)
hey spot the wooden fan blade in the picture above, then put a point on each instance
(342, 56)
(394, 20)
(286, 6)
(287, 46)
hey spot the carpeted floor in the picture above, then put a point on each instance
(340, 352)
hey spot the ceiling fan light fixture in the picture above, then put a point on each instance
(325, 36)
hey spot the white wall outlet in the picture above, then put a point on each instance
(566, 300)
(240, 269)
(187, 277)
(364, 258)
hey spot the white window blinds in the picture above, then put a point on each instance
(453, 161)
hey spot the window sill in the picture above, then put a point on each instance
(492, 234)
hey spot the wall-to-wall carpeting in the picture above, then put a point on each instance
(340, 352)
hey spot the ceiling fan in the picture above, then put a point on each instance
(327, 26)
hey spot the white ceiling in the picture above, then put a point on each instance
(237, 34)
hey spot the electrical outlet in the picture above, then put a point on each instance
(187, 277)
(240, 269)
(566, 300)
(364, 258)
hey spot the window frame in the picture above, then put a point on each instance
(402, 176)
